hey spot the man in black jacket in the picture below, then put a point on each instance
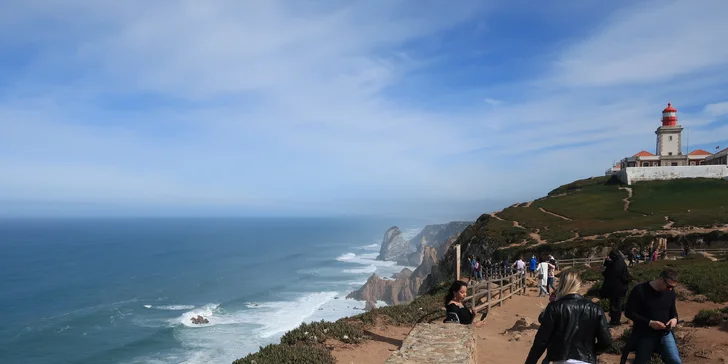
(651, 306)
(572, 327)
(614, 287)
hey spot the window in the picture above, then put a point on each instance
(670, 138)
(669, 153)
(645, 164)
(692, 163)
(654, 164)
(674, 164)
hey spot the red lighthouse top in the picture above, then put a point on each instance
(669, 116)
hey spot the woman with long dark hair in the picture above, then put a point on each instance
(455, 306)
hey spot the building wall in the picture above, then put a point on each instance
(665, 145)
(640, 174)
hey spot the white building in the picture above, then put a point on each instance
(668, 147)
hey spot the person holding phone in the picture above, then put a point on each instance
(651, 306)
(455, 305)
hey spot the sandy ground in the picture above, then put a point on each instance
(496, 346)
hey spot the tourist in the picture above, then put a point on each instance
(477, 267)
(532, 266)
(614, 287)
(471, 269)
(552, 276)
(543, 271)
(520, 267)
(573, 329)
(454, 305)
(651, 306)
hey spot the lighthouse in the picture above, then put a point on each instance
(669, 134)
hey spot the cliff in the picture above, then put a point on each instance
(394, 247)
(403, 288)
(437, 235)
(411, 253)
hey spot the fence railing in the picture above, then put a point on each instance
(495, 289)
(700, 250)
(579, 261)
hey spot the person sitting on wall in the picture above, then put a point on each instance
(455, 307)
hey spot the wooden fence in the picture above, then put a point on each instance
(579, 261)
(494, 290)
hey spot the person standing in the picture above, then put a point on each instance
(520, 267)
(532, 265)
(614, 287)
(552, 277)
(543, 275)
(573, 329)
(651, 306)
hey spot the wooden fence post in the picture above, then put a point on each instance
(457, 260)
(500, 297)
(489, 295)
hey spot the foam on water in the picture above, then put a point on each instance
(171, 307)
(365, 270)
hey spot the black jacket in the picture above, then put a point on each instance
(616, 277)
(571, 328)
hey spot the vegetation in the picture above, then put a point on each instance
(712, 318)
(692, 202)
(319, 332)
(289, 354)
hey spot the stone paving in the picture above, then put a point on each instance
(437, 343)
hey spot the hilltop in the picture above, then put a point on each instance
(582, 218)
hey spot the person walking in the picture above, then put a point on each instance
(573, 329)
(543, 272)
(532, 266)
(651, 306)
(520, 269)
(476, 267)
(552, 277)
(614, 287)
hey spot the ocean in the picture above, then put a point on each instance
(124, 290)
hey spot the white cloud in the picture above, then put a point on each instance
(717, 109)
(260, 104)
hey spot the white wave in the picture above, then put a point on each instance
(364, 259)
(207, 311)
(171, 307)
(374, 246)
(365, 270)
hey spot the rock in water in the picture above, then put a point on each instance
(394, 247)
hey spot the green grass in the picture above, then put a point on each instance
(289, 354)
(692, 202)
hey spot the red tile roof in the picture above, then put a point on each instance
(644, 153)
(700, 152)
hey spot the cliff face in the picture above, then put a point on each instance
(437, 235)
(394, 247)
(402, 289)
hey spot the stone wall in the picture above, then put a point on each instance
(437, 343)
(639, 174)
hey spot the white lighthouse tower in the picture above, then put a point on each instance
(669, 135)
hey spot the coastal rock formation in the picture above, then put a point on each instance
(391, 291)
(394, 247)
(437, 235)
(403, 288)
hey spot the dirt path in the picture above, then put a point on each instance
(629, 195)
(669, 223)
(554, 214)
(528, 204)
(535, 236)
(709, 256)
(517, 224)
(494, 214)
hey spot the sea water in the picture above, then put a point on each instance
(124, 290)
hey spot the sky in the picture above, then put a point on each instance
(336, 108)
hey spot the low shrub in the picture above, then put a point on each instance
(289, 354)
(318, 332)
(712, 318)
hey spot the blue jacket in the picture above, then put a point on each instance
(534, 264)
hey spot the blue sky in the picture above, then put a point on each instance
(418, 108)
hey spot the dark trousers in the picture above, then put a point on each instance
(615, 308)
